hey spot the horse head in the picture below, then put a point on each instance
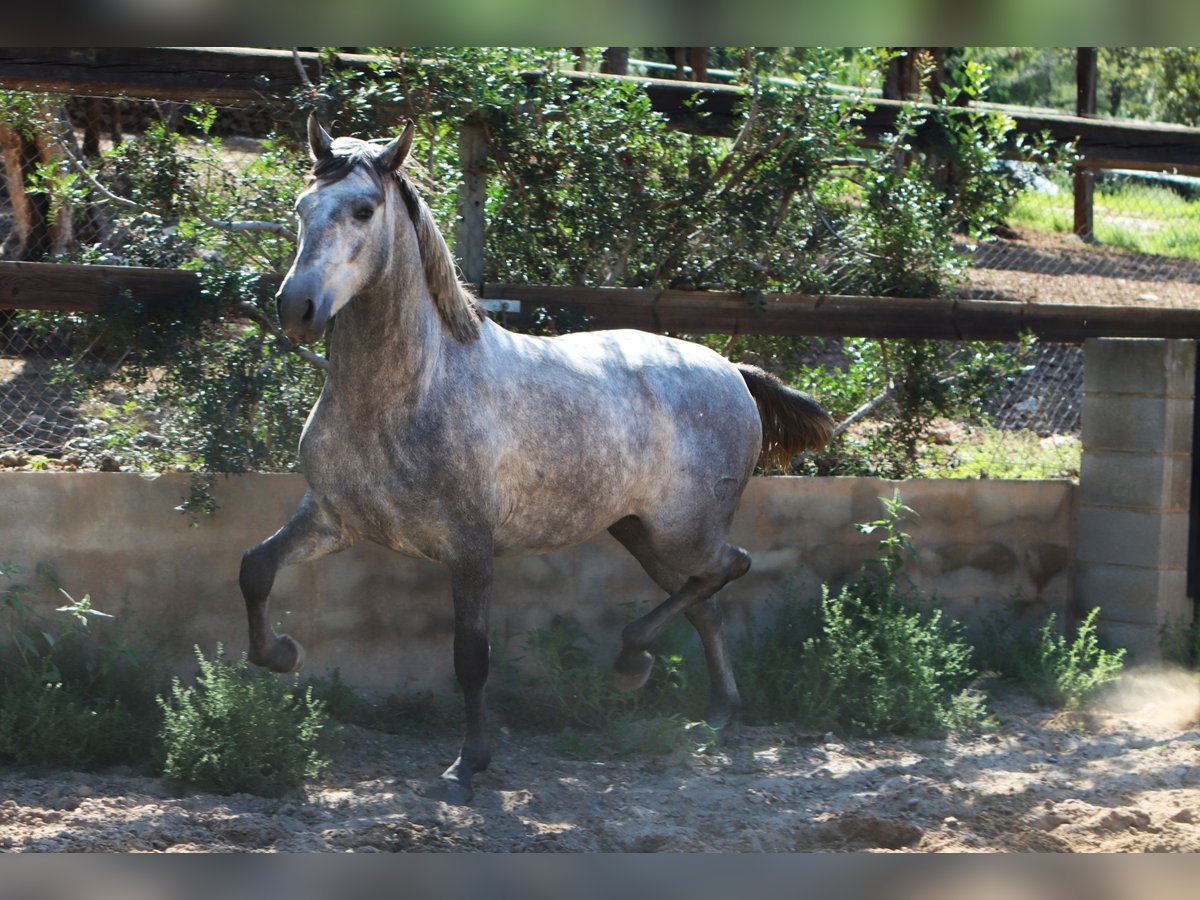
(347, 229)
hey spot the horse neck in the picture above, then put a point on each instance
(386, 343)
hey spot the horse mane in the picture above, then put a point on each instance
(460, 311)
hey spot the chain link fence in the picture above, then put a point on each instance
(1146, 252)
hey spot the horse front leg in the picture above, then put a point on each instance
(471, 582)
(313, 531)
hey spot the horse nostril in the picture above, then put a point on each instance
(310, 310)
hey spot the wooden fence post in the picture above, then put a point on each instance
(472, 197)
(1085, 105)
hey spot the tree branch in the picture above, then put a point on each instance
(863, 411)
(253, 312)
(97, 186)
(841, 239)
(300, 69)
(275, 228)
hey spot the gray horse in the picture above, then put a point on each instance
(444, 436)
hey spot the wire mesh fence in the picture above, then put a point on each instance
(39, 411)
(1146, 252)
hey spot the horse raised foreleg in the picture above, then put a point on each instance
(312, 531)
(471, 581)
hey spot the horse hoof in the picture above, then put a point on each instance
(287, 656)
(722, 727)
(451, 790)
(632, 668)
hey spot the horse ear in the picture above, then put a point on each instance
(320, 144)
(394, 154)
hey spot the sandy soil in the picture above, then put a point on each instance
(1124, 778)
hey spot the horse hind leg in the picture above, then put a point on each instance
(311, 532)
(694, 597)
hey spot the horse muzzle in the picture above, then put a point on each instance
(302, 315)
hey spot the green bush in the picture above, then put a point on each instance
(614, 194)
(71, 696)
(869, 659)
(238, 729)
(1058, 671)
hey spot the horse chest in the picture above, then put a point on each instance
(385, 483)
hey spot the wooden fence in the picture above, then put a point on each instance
(245, 74)
(93, 288)
(248, 74)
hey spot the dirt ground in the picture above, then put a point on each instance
(1045, 267)
(1123, 778)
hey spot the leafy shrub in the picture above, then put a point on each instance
(71, 697)
(1058, 671)
(238, 729)
(615, 196)
(869, 659)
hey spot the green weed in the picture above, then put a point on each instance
(1058, 671)
(73, 692)
(238, 729)
(561, 689)
(870, 658)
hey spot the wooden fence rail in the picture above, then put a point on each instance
(48, 286)
(243, 74)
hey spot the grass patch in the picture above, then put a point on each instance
(987, 452)
(1138, 217)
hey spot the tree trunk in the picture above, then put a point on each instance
(29, 239)
(615, 61)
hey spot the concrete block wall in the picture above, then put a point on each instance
(385, 620)
(1134, 488)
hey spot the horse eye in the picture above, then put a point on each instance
(363, 213)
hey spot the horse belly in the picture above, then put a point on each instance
(551, 512)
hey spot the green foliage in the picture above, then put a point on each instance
(238, 729)
(1156, 83)
(869, 659)
(907, 386)
(71, 696)
(587, 184)
(1180, 644)
(1058, 671)
(562, 690)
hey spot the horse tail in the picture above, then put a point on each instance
(792, 422)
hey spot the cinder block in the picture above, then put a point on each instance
(1139, 366)
(1132, 537)
(1134, 422)
(1133, 595)
(1142, 643)
(1147, 481)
